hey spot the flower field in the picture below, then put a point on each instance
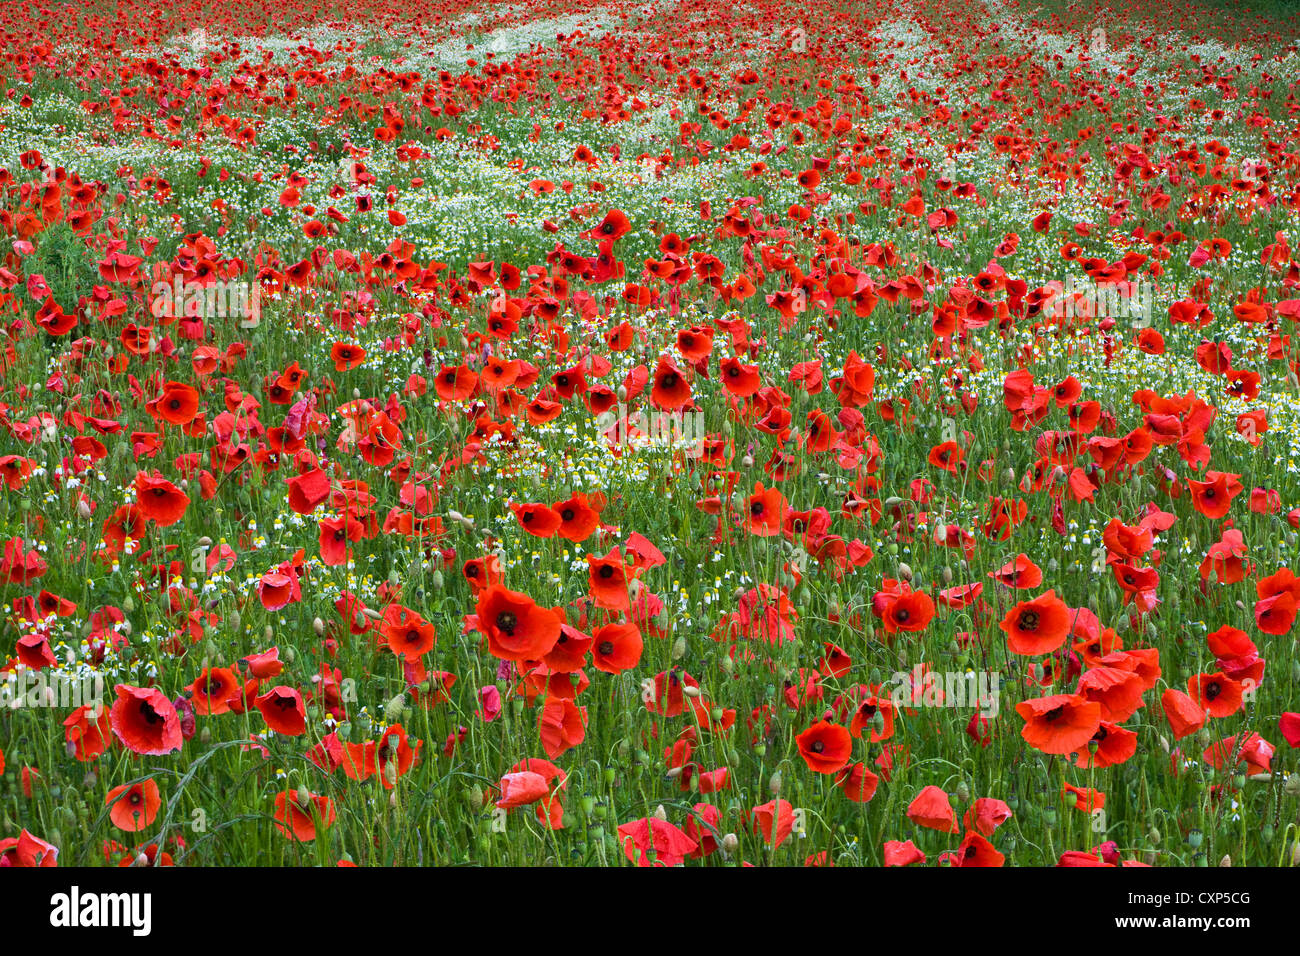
(664, 433)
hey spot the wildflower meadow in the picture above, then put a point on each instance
(666, 433)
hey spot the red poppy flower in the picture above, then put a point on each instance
(145, 721)
(296, 819)
(1059, 724)
(408, 634)
(1184, 714)
(825, 747)
(284, 711)
(516, 628)
(616, 648)
(578, 519)
(133, 807)
(537, 519)
(1039, 626)
(932, 809)
(670, 391)
(158, 500)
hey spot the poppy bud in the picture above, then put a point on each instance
(661, 813)
(774, 784)
(303, 796)
(318, 626)
(268, 633)
(1154, 836)
(390, 774)
(946, 575)
(963, 792)
(1226, 861)
(730, 842)
(395, 709)
(435, 580)
(746, 462)
(128, 604)
(1292, 785)
(290, 655)
(679, 651)
(235, 621)
(904, 571)
(140, 860)
(1295, 853)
